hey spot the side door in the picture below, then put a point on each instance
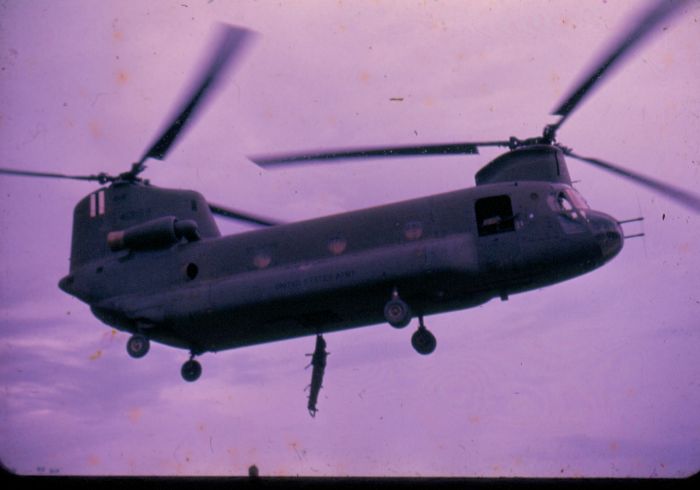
(497, 237)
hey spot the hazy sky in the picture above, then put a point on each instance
(598, 376)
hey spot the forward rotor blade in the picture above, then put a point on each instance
(241, 216)
(231, 40)
(682, 196)
(101, 178)
(374, 152)
(614, 54)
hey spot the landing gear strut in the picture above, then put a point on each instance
(396, 311)
(137, 346)
(422, 340)
(191, 370)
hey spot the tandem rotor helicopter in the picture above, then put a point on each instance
(151, 261)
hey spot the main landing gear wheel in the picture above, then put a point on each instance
(423, 340)
(191, 370)
(397, 312)
(137, 346)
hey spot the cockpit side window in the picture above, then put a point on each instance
(565, 204)
(494, 215)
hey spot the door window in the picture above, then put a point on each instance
(494, 215)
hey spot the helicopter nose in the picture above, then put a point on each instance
(608, 234)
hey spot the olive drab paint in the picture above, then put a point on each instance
(207, 292)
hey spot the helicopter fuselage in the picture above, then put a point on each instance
(441, 253)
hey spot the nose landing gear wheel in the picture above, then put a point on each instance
(137, 346)
(191, 370)
(423, 340)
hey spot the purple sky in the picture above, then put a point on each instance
(597, 376)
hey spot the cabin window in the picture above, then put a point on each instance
(191, 271)
(261, 257)
(262, 260)
(413, 230)
(494, 215)
(337, 245)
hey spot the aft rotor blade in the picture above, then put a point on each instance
(101, 178)
(615, 53)
(241, 216)
(231, 40)
(682, 196)
(373, 152)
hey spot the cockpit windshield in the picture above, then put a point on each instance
(577, 199)
(569, 203)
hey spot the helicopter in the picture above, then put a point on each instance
(151, 261)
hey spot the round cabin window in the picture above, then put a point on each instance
(191, 271)
(262, 260)
(337, 245)
(413, 230)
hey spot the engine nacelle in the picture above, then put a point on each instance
(158, 233)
